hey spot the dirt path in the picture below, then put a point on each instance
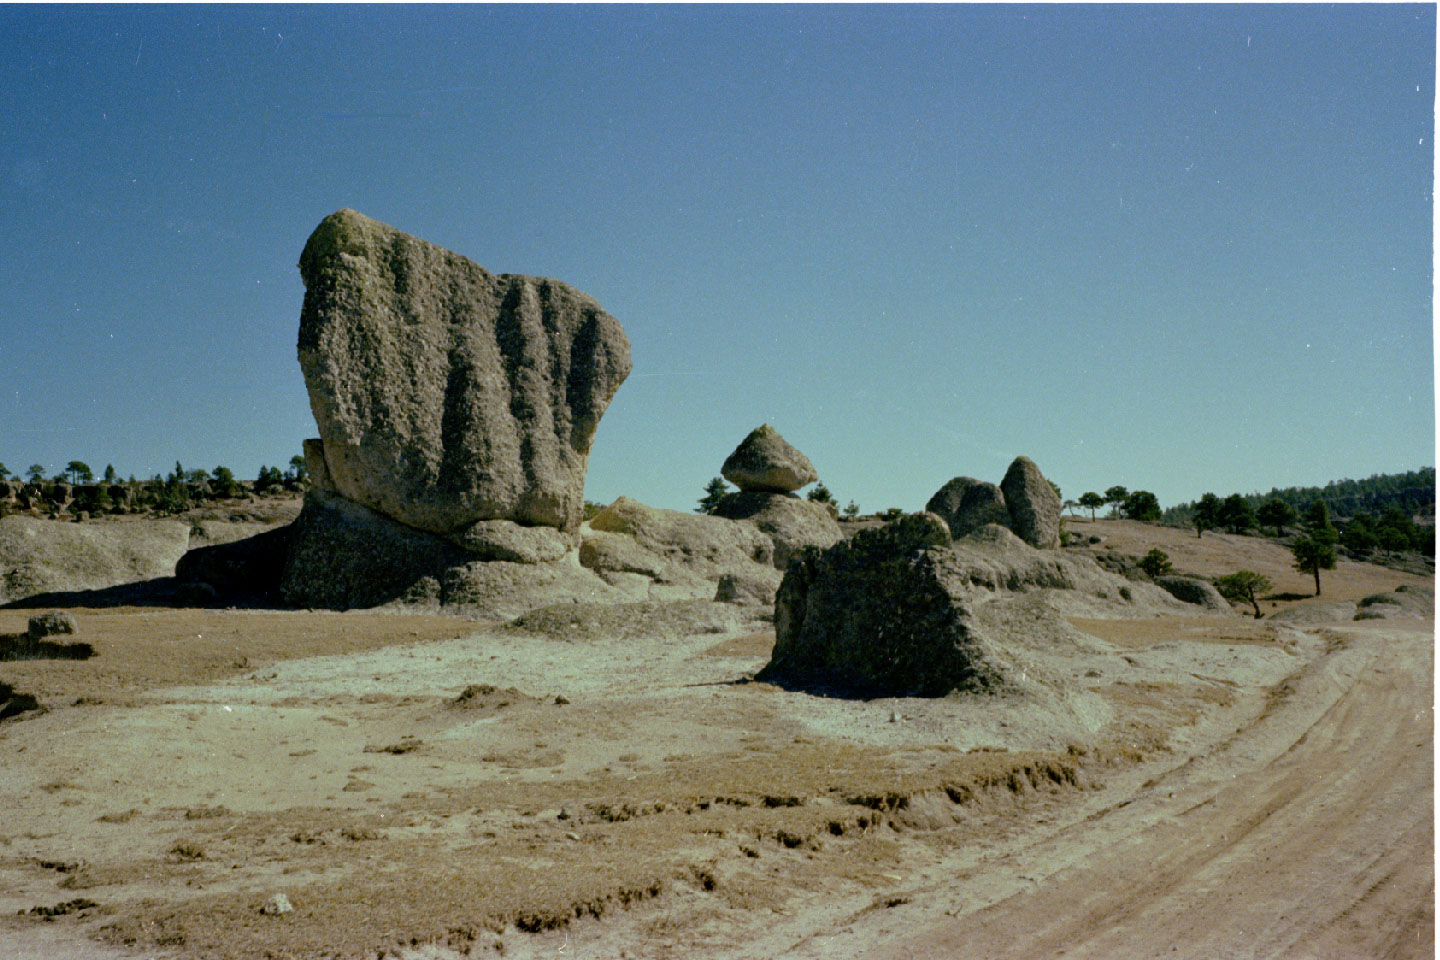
(1309, 834)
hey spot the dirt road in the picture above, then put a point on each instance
(1308, 835)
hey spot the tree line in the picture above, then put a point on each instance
(77, 487)
(1412, 492)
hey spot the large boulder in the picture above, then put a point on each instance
(968, 504)
(790, 523)
(1034, 505)
(765, 462)
(445, 394)
(879, 614)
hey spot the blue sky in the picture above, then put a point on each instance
(1178, 248)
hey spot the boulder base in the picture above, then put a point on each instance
(790, 523)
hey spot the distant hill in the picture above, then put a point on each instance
(1413, 492)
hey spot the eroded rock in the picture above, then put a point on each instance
(1033, 503)
(968, 504)
(445, 394)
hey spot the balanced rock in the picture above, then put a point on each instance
(446, 394)
(1034, 505)
(764, 462)
(968, 504)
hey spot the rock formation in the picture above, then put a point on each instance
(765, 463)
(445, 394)
(789, 522)
(1034, 505)
(456, 409)
(879, 614)
(902, 610)
(968, 504)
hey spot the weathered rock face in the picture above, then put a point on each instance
(968, 504)
(879, 614)
(1034, 505)
(791, 523)
(446, 394)
(765, 462)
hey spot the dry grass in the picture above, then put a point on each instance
(140, 649)
(1216, 554)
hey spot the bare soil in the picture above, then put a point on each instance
(422, 786)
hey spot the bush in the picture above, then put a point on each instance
(1156, 563)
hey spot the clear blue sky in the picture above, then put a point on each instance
(1178, 248)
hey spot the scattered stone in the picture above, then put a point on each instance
(446, 394)
(60, 909)
(765, 462)
(1034, 505)
(968, 504)
(50, 623)
(276, 904)
(879, 614)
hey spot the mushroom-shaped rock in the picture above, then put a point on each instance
(765, 463)
(968, 504)
(1034, 504)
(446, 394)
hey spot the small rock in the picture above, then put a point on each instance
(572, 836)
(276, 905)
(49, 623)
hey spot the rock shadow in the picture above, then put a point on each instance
(19, 646)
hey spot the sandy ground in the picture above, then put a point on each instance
(426, 787)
